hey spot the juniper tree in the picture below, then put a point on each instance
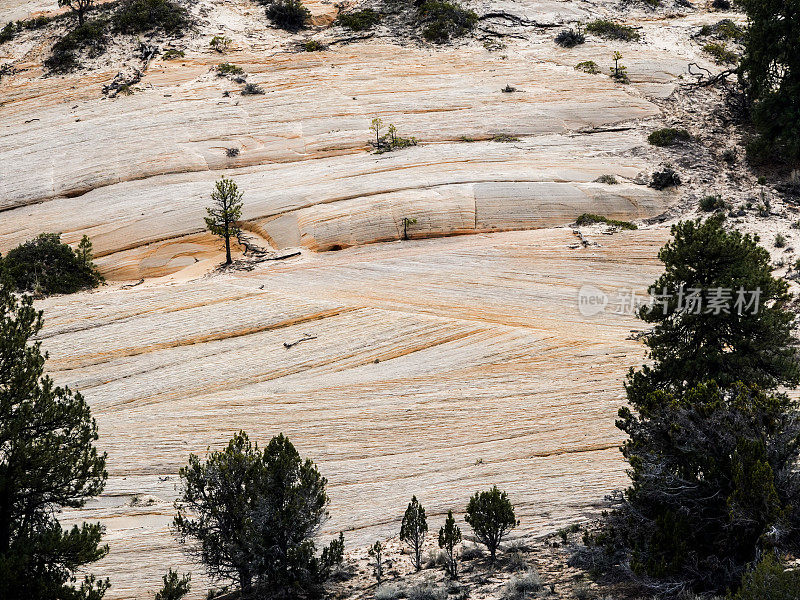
(376, 552)
(491, 516)
(254, 515)
(712, 450)
(770, 71)
(413, 530)
(175, 586)
(79, 7)
(224, 215)
(449, 538)
(692, 342)
(48, 462)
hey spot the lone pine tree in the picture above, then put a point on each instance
(224, 215)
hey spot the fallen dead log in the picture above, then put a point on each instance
(306, 337)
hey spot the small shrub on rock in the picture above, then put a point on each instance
(220, 43)
(522, 587)
(720, 53)
(665, 178)
(569, 38)
(712, 203)
(45, 265)
(612, 30)
(89, 39)
(445, 20)
(173, 54)
(607, 179)
(360, 20)
(252, 89)
(769, 581)
(592, 219)
(588, 66)
(313, 46)
(141, 16)
(8, 32)
(228, 70)
(668, 136)
(291, 15)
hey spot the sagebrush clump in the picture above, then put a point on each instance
(89, 40)
(291, 15)
(612, 30)
(359, 20)
(141, 16)
(668, 136)
(569, 38)
(444, 20)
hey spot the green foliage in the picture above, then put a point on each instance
(612, 30)
(712, 203)
(46, 266)
(228, 70)
(607, 179)
(224, 215)
(725, 30)
(333, 554)
(711, 450)
(689, 348)
(708, 486)
(313, 46)
(175, 586)
(769, 581)
(173, 54)
(619, 72)
(770, 71)
(665, 178)
(220, 43)
(8, 32)
(48, 461)
(89, 38)
(252, 89)
(449, 538)
(505, 138)
(376, 553)
(591, 219)
(254, 514)
(721, 54)
(569, 38)
(491, 516)
(588, 66)
(142, 16)
(780, 240)
(668, 136)
(389, 141)
(291, 15)
(359, 20)
(79, 7)
(443, 21)
(413, 530)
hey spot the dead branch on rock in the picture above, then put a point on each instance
(516, 20)
(307, 336)
(130, 285)
(706, 78)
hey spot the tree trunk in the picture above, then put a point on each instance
(245, 583)
(227, 244)
(80, 16)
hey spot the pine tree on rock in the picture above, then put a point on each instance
(224, 215)
(413, 530)
(449, 538)
(48, 461)
(491, 516)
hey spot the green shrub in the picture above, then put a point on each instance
(592, 219)
(8, 32)
(173, 54)
(220, 43)
(668, 136)
(504, 138)
(175, 586)
(141, 16)
(89, 38)
(769, 581)
(227, 69)
(720, 53)
(359, 20)
(780, 241)
(491, 516)
(569, 38)
(712, 203)
(252, 89)
(607, 179)
(588, 66)
(313, 46)
(445, 20)
(724, 30)
(290, 15)
(612, 31)
(667, 177)
(46, 266)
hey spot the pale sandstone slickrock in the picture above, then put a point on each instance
(482, 355)
(486, 372)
